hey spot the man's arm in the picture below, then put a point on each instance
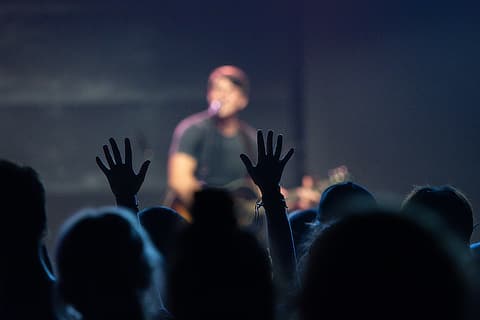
(181, 176)
(183, 161)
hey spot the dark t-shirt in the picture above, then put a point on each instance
(218, 157)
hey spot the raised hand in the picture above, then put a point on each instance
(123, 181)
(268, 171)
(266, 175)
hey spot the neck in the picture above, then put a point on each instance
(228, 126)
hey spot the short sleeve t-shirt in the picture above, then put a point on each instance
(218, 157)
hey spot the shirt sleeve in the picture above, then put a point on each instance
(186, 139)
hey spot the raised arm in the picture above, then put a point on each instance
(266, 175)
(124, 182)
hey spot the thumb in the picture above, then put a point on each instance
(143, 170)
(102, 166)
(248, 163)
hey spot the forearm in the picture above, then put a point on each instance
(280, 237)
(181, 176)
(127, 201)
(184, 188)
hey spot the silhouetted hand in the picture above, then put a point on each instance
(268, 171)
(121, 177)
(266, 175)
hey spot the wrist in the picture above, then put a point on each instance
(127, 200)
(270, 191)
(273, 197)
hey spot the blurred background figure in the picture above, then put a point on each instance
(206, 145)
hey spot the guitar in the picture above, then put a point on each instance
(244, 192)
(308, 194)
(245, 195)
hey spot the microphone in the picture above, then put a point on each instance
(214, 107)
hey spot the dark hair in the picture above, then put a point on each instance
(341, 198)
(104, 262)
(213, 207)
(162, 225)
(237, 76)
(22, 198)
(337, 201)
(447, 203)
(379, 265)
(219, 271)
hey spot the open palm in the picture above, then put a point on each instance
(268, 171)
(120, 175)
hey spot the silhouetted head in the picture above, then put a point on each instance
(105, 264)
(26, 282)
(220, 274)
(342, 198)
(22, 199)
(213, 208)
(301, 225)
(228, 90)
(381, 265)
(162, 225)
(449, 204)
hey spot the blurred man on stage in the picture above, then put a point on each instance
(206, 146)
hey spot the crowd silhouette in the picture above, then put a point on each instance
(349, 257)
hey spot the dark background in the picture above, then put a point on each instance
(388, 89)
